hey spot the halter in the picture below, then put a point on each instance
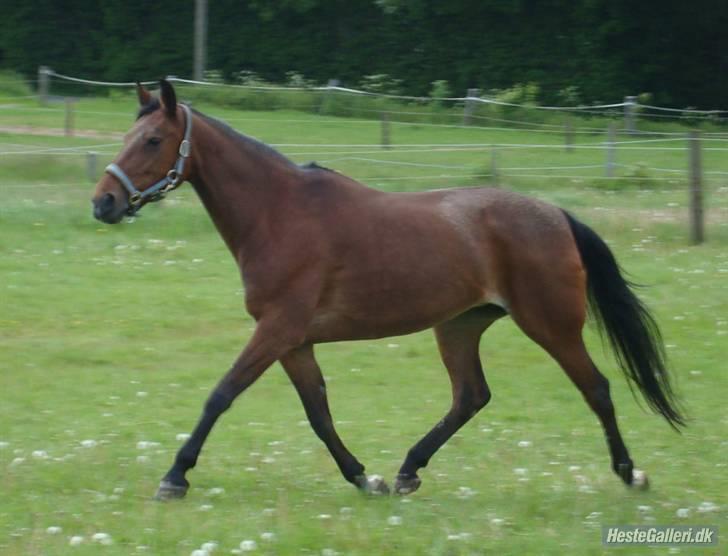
(168, 183)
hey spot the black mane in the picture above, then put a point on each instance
(259, 146)
(148, 108)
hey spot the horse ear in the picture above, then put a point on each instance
(169, 98)
(143, 95)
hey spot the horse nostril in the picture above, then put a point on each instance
(103, 206)
(107, 201)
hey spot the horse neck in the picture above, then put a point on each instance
(238, 182)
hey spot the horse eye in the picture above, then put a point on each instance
(154, 141)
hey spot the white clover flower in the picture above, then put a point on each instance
(102, 538)
(54, 530)
(465, 492)
(705, 507)
(248, 545)
(75, 540)
(394, 520)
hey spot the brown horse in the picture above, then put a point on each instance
(324, 258)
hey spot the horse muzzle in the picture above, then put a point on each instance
(109, 209)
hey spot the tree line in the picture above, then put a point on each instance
(572, 51)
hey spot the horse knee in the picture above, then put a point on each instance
(470, 401)
(482, 397)
(217, 403)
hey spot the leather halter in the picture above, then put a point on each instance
(169, 182)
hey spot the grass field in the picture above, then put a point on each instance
(112, 337)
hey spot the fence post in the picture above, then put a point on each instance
(569, 135)
(43, 83)
(386, 135)
(91, 166)
(630, 106)
(469, 105)
(327, 95)
(494, 165)
(69, 116)
(697, 227)
(611, 133)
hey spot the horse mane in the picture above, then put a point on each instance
(245, 140)
(148, 108)
(316, 166)
(238, 137)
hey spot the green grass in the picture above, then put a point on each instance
(117, 334)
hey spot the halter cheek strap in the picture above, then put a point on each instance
(169, 182)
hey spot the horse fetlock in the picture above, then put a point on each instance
(372, 484)
(171, 491)
(406, 484)
(625, 471)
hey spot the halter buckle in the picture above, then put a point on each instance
(135, 198)
(184, 148)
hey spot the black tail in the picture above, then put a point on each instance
(626, 322)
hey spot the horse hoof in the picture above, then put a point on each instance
(169, 491)
(406, 485)
(640, 480)
(372, 484)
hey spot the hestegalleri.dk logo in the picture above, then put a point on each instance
(660, 535)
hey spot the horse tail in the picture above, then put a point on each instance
(626, 322)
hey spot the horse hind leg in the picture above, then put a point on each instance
(553, 316)
(458, 341)
(594, 386)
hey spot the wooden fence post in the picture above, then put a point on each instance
(69, 116)
(569, 135)
(494, 165)
(91, 158)
(326, 97)
(611, 133)
(470, 105)
(630, 109)
(697, 226)
(386, 135)
(43, 83)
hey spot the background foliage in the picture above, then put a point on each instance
(575, 51)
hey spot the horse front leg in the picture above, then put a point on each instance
(268, 343)
(305, 374)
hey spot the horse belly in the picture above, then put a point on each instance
(400, 300)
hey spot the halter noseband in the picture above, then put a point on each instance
(169, 182)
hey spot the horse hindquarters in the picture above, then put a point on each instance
(547, 300)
